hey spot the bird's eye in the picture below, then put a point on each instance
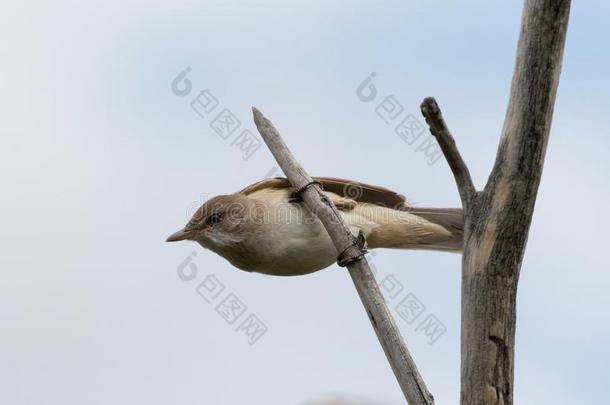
(213, 219)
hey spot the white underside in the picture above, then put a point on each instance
(294, 246)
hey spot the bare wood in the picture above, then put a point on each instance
(497, 220)
(498, 223)
(396, 351)
(439, 130)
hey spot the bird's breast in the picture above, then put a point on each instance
(292, 241)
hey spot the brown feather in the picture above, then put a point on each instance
(451, 219)
(353, 190)
(277, 182)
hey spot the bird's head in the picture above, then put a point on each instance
(218, 224)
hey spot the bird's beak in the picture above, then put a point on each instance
(180, 235)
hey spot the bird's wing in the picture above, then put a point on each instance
(362, 192)
(353, 190)
(277, 182)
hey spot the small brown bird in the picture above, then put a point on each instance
(265, 228)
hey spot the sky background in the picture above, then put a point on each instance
(100, 161)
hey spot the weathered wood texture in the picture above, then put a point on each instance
(404, 367)
(497, 219)
(439, 130)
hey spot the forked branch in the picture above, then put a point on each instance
(497, 226)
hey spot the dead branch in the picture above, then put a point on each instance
(351, 252)
(439, 130)
(497, 220)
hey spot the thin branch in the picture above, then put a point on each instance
(396, 351)
(439, 130)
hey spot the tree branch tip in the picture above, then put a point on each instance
(258, 116)
(429, 105)
(429, 100)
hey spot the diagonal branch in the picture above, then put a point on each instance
(439, 130)
(388, 334)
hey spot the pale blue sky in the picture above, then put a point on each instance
(101, 161)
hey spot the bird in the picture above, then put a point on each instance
(267, 228)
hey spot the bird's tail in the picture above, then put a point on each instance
(452, 219)
(441, 229)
